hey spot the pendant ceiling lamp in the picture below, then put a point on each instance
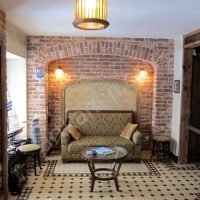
(90, 14)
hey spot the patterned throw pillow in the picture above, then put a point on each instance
(73, 132)
(128, 131)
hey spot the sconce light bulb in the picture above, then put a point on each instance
(59, 72)
(143, 73)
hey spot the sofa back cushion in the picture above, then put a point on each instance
(94, 123)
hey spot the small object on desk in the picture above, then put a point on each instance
(11, 152)
(11, 149)
(91, 152)
(17, 142)
(104, 151)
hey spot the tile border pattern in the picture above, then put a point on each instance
(152, 165)
(198, 195)
(52, 164)
(171, 166)
(25, 193)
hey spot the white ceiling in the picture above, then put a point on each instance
(128, 18)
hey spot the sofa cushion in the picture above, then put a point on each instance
(65, 137)
(128, 131)
(73, 132)
(88, 141)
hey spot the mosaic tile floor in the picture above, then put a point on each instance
(147, 180)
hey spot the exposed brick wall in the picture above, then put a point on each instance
(95, 67)
(157, 52)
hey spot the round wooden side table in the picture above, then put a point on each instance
(161, 146)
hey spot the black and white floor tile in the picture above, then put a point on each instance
(159, 180)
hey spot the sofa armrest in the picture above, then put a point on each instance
(65, 137)
(137, 137)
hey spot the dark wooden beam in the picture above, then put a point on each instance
(191, 41)
(185, 106)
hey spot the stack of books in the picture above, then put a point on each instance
(104, 150)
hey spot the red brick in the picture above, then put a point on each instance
(87, 58)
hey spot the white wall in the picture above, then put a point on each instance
(16, 40)
(16, 84)
(178, 66)
(16, 43)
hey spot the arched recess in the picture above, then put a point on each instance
(161, 60)
(98, 94)
(81, 68)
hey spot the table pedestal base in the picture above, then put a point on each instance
(114, 174)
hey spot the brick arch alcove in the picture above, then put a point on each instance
(98, 67)
(157, 52)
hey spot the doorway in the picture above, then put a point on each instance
(189, 147)
(194, 126)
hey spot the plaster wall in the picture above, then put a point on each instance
(16, 41)
(16, 85)
(176, 106)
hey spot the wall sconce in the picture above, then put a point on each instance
(59, 72)
(141, 76)
(142, 73)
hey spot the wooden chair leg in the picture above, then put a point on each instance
(163, 149)
(38, 158)
(34, 157)
(157, 149)
(169, 151)
(153, 149)
(25, 160)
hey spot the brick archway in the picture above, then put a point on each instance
(42, 50)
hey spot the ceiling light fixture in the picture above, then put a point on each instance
(91, 14)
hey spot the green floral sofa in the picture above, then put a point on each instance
(99, 128)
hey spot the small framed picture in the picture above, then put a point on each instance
(39, 72)
(177, 86)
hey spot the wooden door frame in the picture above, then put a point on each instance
(191, 41)
(3, 113)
